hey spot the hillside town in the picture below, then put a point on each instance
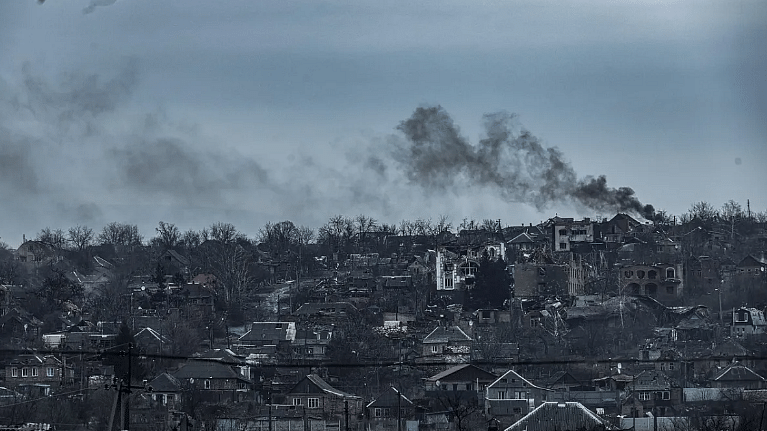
(605, 323)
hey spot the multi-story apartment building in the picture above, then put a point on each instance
(565, 232)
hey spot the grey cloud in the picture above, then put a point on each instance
(17, 171)
(82, 212)
(78, 95)
(170, 166)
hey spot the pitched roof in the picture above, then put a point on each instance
(270, 331)
(752, 261)
(446, 334)
(459, 372)
(729, 348)
(521, 239)
(151, 335)
(516, 375)
(165, 383)
(196, 369)
(322, 385)
(740, 373)
(221, 355)
(310, 308)
(389, 398)
(565, 416)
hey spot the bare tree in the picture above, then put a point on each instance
(422, 226)
(336, 233)
(702, 210)
(490, 225)
(462, 407)
(467, 224)
(225, 233)
(191, 239)
(108, 301)
(406, 228)
(279, 238)
(119, 234)
(731, 211)
(168, 235)
(364, 224)
(230, 263)
(80, 237)
(54, 238)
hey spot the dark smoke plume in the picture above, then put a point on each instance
(97, 3)
(436, 156)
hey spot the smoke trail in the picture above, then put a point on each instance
(96, 3)
(437, 157)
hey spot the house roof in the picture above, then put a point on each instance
(311, 308)
(34, 359)
(321, 385)
(151, 335)
(196, 369)
(752, 261)
(560, 377)
(757, 317)
(515, 375)
(177, 256)
(390, 398)
(463, 372)
(270, 331)
(738, 373)
(446, 334)
(20, 316)
(522, 238)
(165, 383)
(221, 355)
(729, 348)
(565, 416)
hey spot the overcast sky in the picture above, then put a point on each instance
(194, 112)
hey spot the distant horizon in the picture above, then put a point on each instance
(253, 234)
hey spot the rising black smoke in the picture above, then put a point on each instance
(437, 156)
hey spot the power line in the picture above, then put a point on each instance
(47, 397)
(418, 361)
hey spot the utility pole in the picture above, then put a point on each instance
(346, 413)
(122, 397)
(126, 417)
(269, 400)
(399, 410)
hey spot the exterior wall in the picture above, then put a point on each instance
(656, 281)
(439, 349)
(568, 232)
(513, 396)
(576, 278)
(746, 322)
(46, 375)
(35, 253)
(455, 272)
(532, 280)
(321, 403)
